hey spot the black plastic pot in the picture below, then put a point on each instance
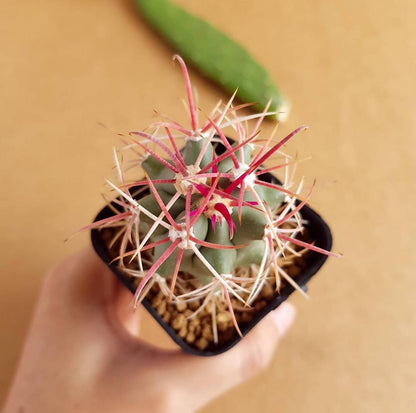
(318, 231)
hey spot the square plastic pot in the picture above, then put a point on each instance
(318, 231)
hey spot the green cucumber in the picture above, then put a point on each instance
(215, 54)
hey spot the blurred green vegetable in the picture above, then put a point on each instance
(215, 54)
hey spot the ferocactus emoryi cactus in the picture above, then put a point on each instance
(206, 210)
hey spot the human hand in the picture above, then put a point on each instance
(80, 355)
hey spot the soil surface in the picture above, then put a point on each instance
(194, 324)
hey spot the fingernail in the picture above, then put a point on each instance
(283, 317)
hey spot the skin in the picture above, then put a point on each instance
(82, 353)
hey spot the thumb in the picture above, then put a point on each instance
(210, 377)
(127, 314)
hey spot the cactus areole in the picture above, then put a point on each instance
(205, 230)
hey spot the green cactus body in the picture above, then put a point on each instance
(156, 170)
(222, 260)
(149, 202)
(192, 150)
(222, 223)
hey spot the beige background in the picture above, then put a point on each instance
(349, 68)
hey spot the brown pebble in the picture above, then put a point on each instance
(183, 332)
(281, 261)
(207, 332)
(259, 305)
(267, 291)
(190, 338)
(223, 327)
(223, 317)
(194, 321)
(188, 313)
(161, 308)
(208, 308)
(156, 301)
(179, 321)
(202, 343)
(293, 270)
(194, 305)
(166, 317)
(180, 306)
(203, 312)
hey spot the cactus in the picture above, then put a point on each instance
(205, 210)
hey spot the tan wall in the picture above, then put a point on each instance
(349, 68)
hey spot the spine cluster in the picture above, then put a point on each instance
(206, 207)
